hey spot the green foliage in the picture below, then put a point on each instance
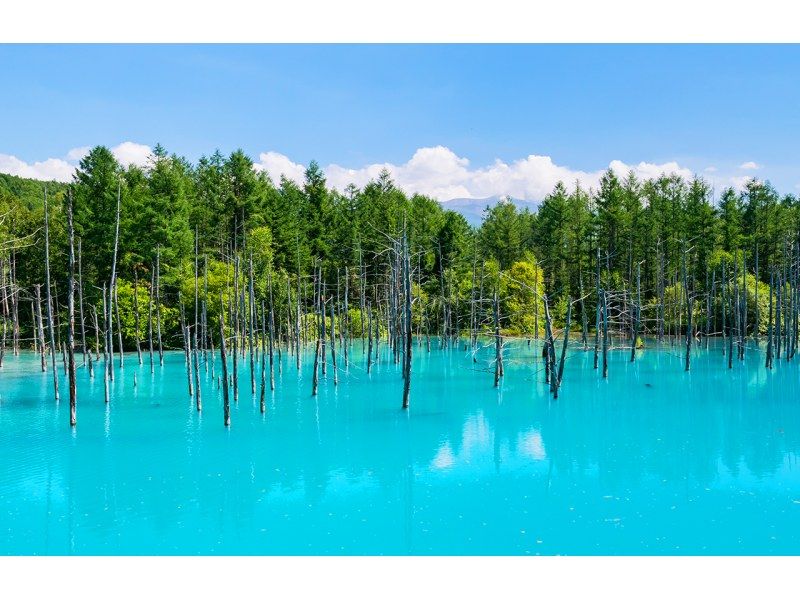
(521, 290)
(228, 206)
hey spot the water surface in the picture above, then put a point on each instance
(653, 460)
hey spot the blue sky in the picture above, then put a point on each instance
(701, 109)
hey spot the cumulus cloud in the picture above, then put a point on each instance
(61, 169)
(434, 171)
(276, 164)
(77, 153)
(48, 170)
(128, 153)
(441, 173)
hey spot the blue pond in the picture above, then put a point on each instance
(653, 460)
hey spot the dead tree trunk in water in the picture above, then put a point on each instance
(605, 334)
(119, 325)
(96, 341)
(333, 344)
(345, 324)
(186, 343)
(315, 379)
(688, 313)
(407, 336)
(235, 348)
(111, 293)
(150, 317)
(369, 333)
(768, 363)
(49, 299)
(198, 399)
(498, 342)
(71, 315)
(106, 359)
(271, 335)
(226, 405)
(584, 315)
(5, 309)
(549, 347)
(563, 348)
(40, 326)
(597, 314)
(15, 301)
(251, 313)
(136, 314)
(637, 312)
(262, 398)
(158, 307)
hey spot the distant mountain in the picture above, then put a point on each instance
(472, 209)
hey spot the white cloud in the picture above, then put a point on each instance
(61, 169)
(441, 173)
(77, 153)
(738, 182)
(128, 153)
(276, 164)
(48, 170)
(435, 171)
(749, 166)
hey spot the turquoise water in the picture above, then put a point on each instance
(651, 461)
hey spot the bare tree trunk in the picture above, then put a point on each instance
(688, 313)
(768, 363)
(150, 317)
(345, 324)
(235, 351)
(186, 344)
(15, 300)
(408, 332)
(262, 400)
(49, 299)
(198, 398)
(251, 311)
(362, 289)
(323, 332)
(226, 401)
(158, 307)
(498, 342)
(34, 323)
(369, 333)
(333, 344)
(271, 334)
(637, 312)
(111, 292)
(119, 325)
(40, 326)
(106, 357)
(136, 314)
(549, 347)
(605, 334)
(598, 313)
(6, 311)
(96, 335)
(315, 380)
(560, 376)
(71, 314)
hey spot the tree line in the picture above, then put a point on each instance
(635, 235)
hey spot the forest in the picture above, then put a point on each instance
(188, 251)
(626, 229)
